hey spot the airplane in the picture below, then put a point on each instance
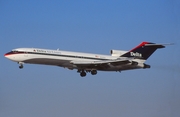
(86, 62)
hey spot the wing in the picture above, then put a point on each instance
(101, 64)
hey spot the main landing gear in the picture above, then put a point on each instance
(83, 73)
(20, 65)
(94, 72)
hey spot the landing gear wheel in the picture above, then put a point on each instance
(21, 66)
(93, 72)
(83, 74)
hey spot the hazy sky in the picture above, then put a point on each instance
(94, 26)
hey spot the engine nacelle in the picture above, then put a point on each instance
(146, 66)
(143, 65)
(117, 52)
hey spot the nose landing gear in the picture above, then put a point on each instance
(20, 65)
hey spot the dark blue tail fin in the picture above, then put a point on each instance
(143, 51)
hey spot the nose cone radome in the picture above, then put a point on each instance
(8, 55)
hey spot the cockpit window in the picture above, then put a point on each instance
(15, 51)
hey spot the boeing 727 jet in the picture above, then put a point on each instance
(85, 62)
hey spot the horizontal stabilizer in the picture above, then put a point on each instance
(157, 45)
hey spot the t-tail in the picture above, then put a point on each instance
(143, 51)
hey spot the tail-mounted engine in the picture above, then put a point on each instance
(117, 52)
(146, 66)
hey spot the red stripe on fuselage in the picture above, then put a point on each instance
(12, 53)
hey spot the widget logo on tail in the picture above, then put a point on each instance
(136, 54)
(143, 50)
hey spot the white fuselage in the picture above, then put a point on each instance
(87, 62)
(64, 58)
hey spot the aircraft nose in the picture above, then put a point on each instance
(8, 55)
